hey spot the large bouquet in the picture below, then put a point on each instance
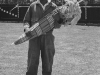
(70, 12)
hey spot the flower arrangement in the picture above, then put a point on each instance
(71, 11)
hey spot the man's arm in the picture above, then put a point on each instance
(27, 18)
(59, 20)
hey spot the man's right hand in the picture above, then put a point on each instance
(26, 30)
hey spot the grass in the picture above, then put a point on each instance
(77, 50)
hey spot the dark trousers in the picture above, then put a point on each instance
(43, 44)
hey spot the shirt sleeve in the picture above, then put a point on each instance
(58, 19)
(27, 17)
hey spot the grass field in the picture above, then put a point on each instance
(77, 50)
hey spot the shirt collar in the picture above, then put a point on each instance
(43, 6)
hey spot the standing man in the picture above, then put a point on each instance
(44, 44)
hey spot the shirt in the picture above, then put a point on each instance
(36, 11)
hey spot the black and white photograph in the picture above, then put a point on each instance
(49, 37)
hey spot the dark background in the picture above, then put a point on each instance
(14, 10)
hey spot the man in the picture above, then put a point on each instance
(43, 44)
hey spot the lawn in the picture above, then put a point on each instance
(77, 50)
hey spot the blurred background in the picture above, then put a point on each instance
(14, 10)
(27, 2)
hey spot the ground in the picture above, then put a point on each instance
(77, 50)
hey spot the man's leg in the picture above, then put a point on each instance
(47, 54)
(33, 57)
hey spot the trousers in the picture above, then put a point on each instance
(44, 46)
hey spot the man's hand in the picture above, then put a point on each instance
(26, 28)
